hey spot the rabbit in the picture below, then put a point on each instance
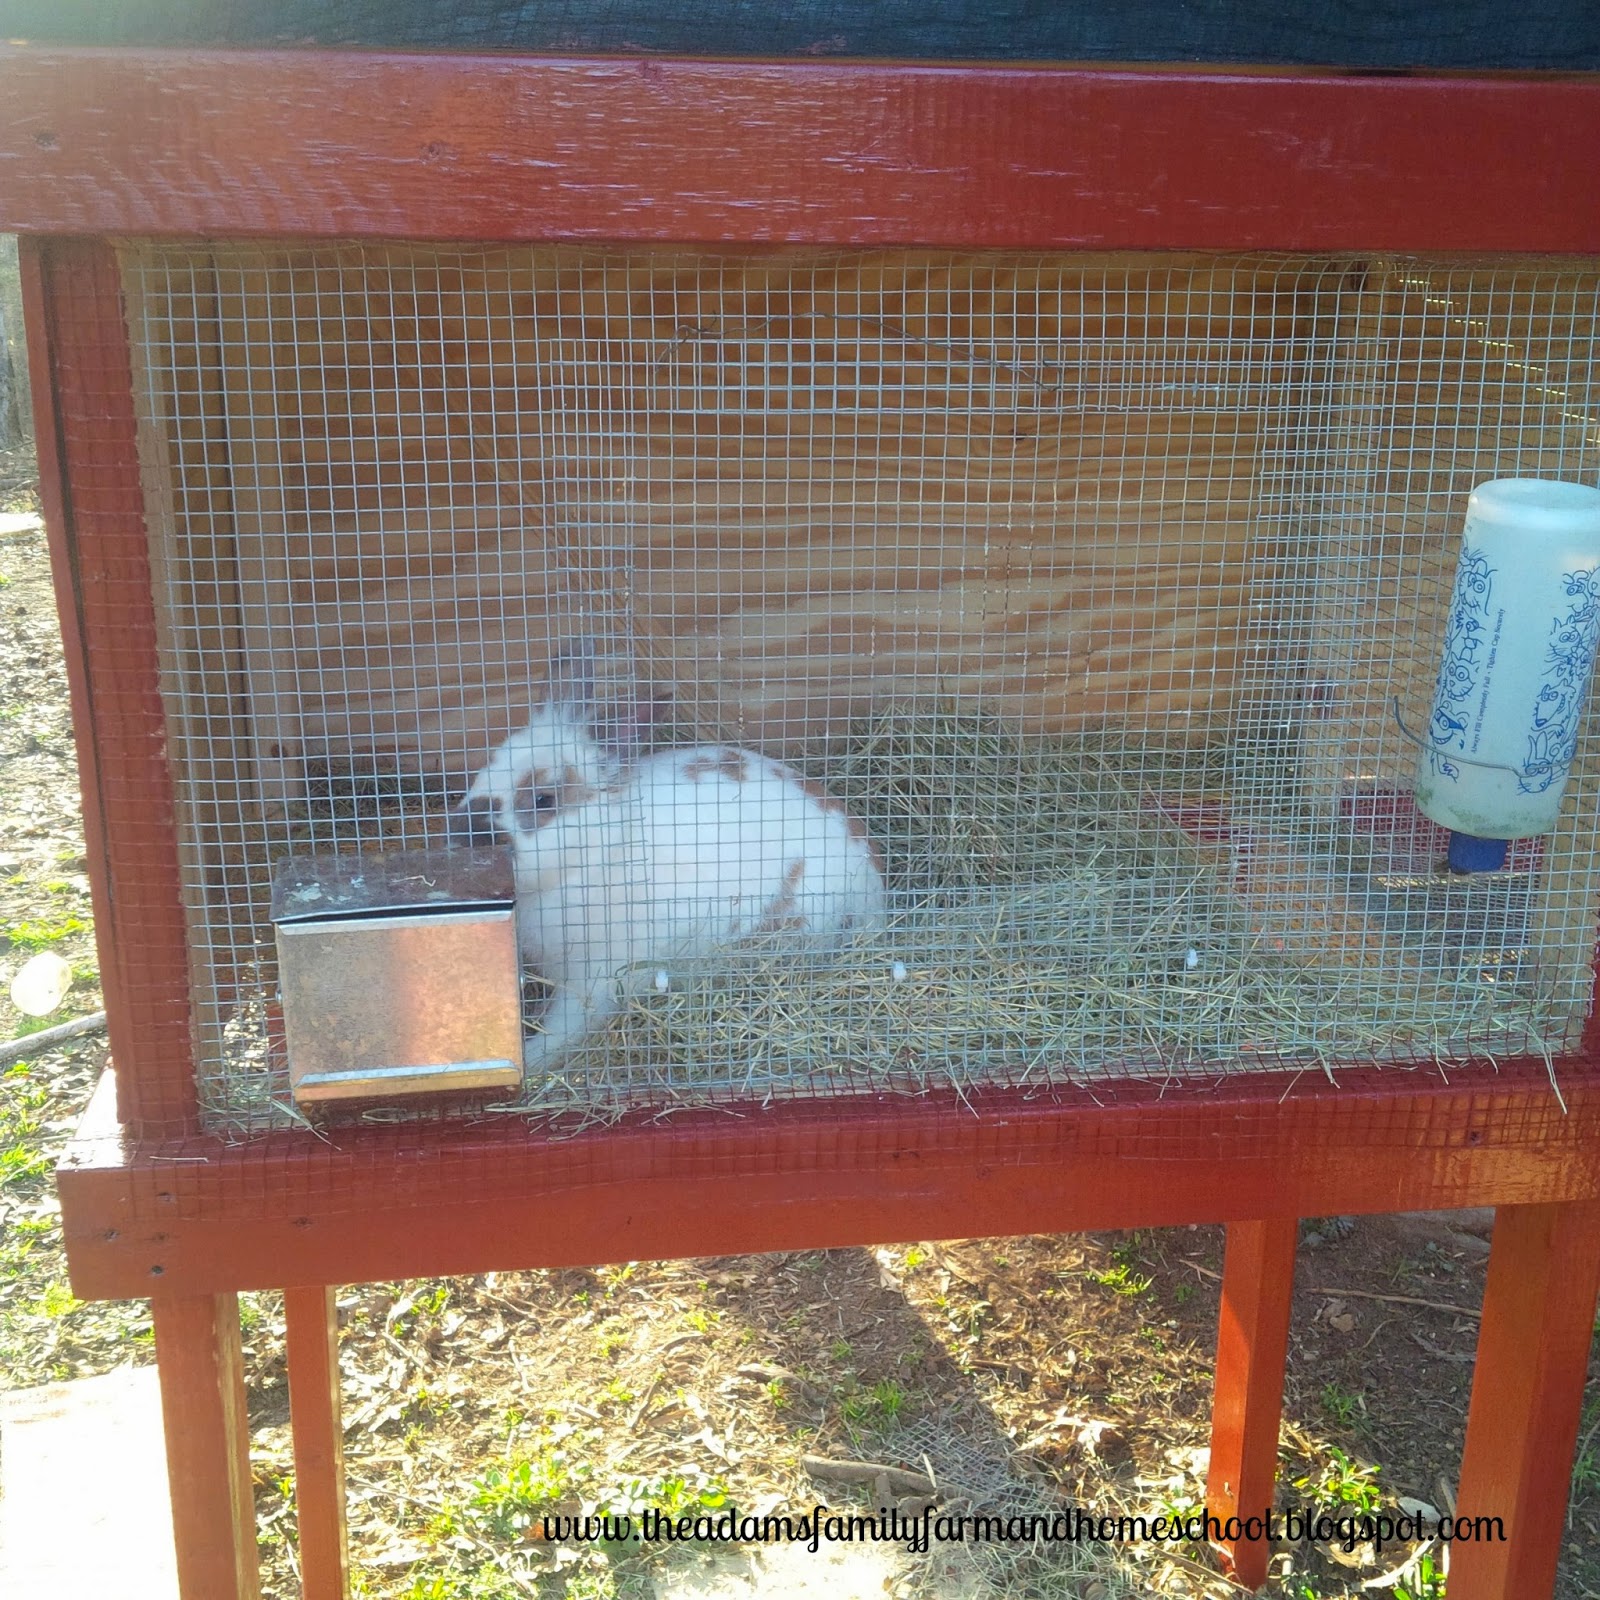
(624, 864)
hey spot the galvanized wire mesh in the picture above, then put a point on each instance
(1088, 586)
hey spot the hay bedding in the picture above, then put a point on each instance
(1052, 922)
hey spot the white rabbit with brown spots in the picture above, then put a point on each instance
(624, 865)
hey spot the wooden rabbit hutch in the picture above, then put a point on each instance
(1059, 467)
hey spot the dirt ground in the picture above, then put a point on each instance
(1021, 1374)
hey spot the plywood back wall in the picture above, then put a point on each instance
(815, 483)
(803, 485)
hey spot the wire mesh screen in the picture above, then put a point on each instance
(886, 670)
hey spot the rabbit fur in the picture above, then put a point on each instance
(624, 864)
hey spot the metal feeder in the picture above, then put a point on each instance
(399, 973)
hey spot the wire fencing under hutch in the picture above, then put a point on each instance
(1100, 591)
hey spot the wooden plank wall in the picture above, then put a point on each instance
(810, 485)
(1080, 490)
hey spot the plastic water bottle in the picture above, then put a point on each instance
(1518, 655)
(41, 985)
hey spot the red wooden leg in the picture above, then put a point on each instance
(1527, 1393)
(312, 1326)
(1252, 1346)
(208, 1445)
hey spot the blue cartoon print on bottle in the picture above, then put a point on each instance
(1467, 637)
(1553, 739)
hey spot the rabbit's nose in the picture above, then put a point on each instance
(472, 822)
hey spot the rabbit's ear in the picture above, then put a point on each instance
(572, 670)
(626, 726)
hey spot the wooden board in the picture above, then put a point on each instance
(91, 485)
(373, 1202)
(814, 484)
(363, 144)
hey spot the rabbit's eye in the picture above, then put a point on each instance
(534, 804)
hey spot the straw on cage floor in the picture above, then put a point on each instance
(1050, 921)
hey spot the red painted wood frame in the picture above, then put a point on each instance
(496, 147)
(321, 144)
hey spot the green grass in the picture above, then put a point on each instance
(889, 1398)
(56, 1302)
(1339, 1404)
(1341, 1485)
(23, 1102)
(30, 1025)
(1426, 1583)
(883, 1402)
(489, 1540)
(617, 1396)
(32, 937)
(30, 1258)
(1121, 1279)
(46, 1334)
(503, 1502)
(483, 1582)
(1586, 1466)
(674, 1494)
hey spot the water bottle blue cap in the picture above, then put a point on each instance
(1469, 853)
